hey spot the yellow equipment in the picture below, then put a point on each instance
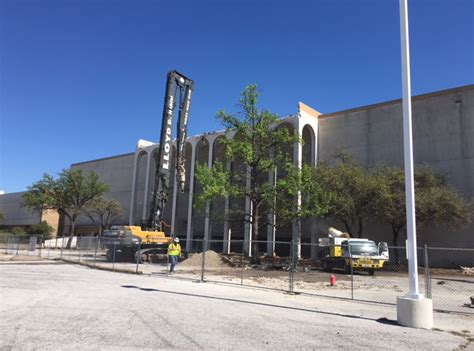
(129, 243)
(148, 237)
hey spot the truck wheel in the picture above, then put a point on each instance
(371, 271)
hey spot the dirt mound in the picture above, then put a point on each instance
(212, 260)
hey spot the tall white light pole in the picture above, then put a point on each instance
(413, 310)
(408, 152)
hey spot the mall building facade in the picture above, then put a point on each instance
(443, 134)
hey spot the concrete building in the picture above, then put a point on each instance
(16, 216)
(443, 130)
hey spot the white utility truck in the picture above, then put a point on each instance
(339, 250)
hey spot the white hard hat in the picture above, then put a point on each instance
(176, 240)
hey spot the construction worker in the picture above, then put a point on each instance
(174, 251)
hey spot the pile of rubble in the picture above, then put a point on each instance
(212, 260)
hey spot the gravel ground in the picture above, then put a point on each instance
(74, 307)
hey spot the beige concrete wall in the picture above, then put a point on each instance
(15, 215)
(443, 133)
(117, 172)
(52, 218)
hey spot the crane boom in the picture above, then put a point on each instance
(179, 89)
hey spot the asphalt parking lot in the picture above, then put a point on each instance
(57, 306)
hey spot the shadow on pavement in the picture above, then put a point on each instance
(253, 303)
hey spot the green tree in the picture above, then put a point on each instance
(435, 201)
(69, 194)
(351, 191)
(2, 217)
(102, 211)
(42, 228)
(260, 145)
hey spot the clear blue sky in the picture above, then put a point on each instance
(84, 79)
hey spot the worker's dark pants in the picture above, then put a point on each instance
(173, 261)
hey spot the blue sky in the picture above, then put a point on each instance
(84, 79)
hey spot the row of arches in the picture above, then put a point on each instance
(183, 219)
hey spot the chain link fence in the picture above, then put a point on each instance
(451, 272)
(445, 274)
(25, 245)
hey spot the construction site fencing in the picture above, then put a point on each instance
(444, 274)
(451, 278)
(24, 245)
(239, 266)
(368, 283)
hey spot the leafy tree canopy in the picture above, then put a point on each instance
(103, 211)
(69, 194)
(435, 201)
(351, 191)
(259, 146)
(42, 228)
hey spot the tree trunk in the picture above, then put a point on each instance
(71, 234)
(361, 227)
(348, 227)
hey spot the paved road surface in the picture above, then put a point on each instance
(64, 306)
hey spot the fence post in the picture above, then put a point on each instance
(204, 243)
(292, 265)
(62, 247)
(113, 257)
(427, 274)
(352, 269)
(138, 254)
(49, 248)
(18, 246)
(242, 264)
(78, 243)
(95, 249)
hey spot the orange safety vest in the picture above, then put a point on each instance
(174, 249)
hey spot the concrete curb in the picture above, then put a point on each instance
(119, 270)
(29, 262)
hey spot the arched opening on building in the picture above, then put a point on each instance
(217, 207)
(139, 191)
(182, 204)
(309, 158)
(151, 179)
(284, 230)
(167, 214)
(198, 216)
(309, 140)
(237, 225)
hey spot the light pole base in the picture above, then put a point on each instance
(415, 312)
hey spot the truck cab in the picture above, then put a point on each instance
(352, 254)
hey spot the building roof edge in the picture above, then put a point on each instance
(396, 101)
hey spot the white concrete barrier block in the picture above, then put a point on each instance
(415, 313)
